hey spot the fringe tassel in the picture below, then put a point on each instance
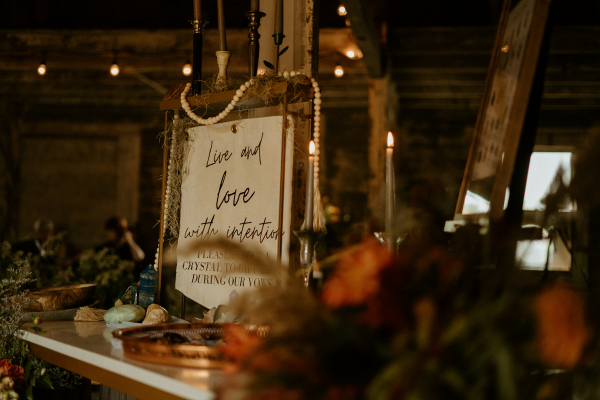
(318, 216)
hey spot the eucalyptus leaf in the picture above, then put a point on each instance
(380, 387)
(27, 369)
(45, 382)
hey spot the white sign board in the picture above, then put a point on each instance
(232, 191)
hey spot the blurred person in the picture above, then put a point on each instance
(43, 230)
(120, 240)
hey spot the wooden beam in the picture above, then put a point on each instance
(362, 25)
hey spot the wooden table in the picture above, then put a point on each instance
(85, 348)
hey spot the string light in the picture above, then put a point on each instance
(354, 55)
(187, 69)
(114, 68)
(342, 10)
(338, 71)
(41, 70)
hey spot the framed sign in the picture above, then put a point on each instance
(238, 189)
(502, 112)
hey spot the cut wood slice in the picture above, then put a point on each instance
(58, 315)
(61, 297)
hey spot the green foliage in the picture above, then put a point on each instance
(111, 275)
(13, 299)
(19, 272)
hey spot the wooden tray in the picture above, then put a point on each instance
(180, 355)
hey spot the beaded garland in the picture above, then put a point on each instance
(213, 120)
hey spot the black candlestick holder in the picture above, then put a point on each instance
(253, 38)
(197, 55)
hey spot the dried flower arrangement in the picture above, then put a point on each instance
(20, 372)
(420, 324)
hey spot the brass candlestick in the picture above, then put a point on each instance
(253, 37)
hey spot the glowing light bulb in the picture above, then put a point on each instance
(338, 71)
(350, 54)
(311, 148)
(114, 69)
(390, 140)
(342, 10)
(41, 70)
(187, 69)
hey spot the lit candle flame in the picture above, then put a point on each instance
(390, 140)
(311, 148)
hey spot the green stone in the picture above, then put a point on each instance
(125, 313)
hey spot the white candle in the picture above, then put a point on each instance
(278, 17)
(310, 184)
(197, 10)
(389, 183)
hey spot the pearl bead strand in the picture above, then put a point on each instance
(317, 127)
(167, 193)
(213, 120)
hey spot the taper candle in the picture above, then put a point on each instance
(197, 11)
(255, 5)
(389, 183)
(310, 187)
(278, 17)
(221, 19)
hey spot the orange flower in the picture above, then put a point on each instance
(563, 331)
(356, 277)
(238, 346)
(415, 266)
(16, 373)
